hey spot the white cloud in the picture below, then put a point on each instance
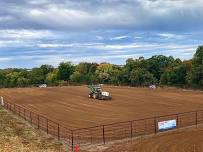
(11, 43)
(120, 47)
(138, 37)
(102, 14)
(99, 38)
(5, 18)
(171, 36)
(5, 59)
(50, 59)
(52, 31)
(70, 45)
(24, 34)
(125, 46)
(119, 37)
(78, 18)
(23, 38)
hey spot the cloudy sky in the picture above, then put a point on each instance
(35, 32)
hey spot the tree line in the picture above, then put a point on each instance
(159, 70)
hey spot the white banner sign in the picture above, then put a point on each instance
(166, 125)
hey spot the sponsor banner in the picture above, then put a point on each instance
(167, 125)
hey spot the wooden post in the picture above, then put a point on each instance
(58, 132)
(18, 110)
(155, 125)
(72, 141)
(177, 121)
(14, 108)
(196, 118)
(104, 135)
(24, 114)
(47, 126)
(30, 117)
(38, 120)
(91, 139)
(131, 129)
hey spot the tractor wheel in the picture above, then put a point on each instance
(94, 96)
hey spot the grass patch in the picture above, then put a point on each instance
(17, 135)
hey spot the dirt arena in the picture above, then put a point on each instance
(183, 140)
(72, 107)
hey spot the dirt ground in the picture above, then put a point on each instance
(72, 107)
(183, 140)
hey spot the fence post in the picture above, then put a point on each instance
(14, 108)
(11, 107)
(38, 121)
(131, 129)
(196, 118)
(91, 136)
(30, 117)
(24, 113)
(155, 125)
(104, 135)
(72, 141)
(58, 132)
(47, 126)
(177, 121)
(18, 110)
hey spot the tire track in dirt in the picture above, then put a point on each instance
(71, 106)
(183, 140)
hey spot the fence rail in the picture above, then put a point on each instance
(41, 122)
(104, 133)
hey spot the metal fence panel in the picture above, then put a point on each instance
(104, 133)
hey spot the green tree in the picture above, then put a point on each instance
(84, 73)
(51, 78)
(175, 75)
(116, 75)
(37, 76)
(157, 65)
(132, 65)
(2, 78)
(195, 77)
(77, 77)
(141, 77)
(11, 79)
(103, 72)
(22, 82)
(46, 69)
(65, 70)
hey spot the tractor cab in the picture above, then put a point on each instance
(96, 92)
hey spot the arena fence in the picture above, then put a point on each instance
(104, 133)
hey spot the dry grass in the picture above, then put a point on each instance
(18, 136)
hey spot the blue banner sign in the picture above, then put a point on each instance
(166, 125)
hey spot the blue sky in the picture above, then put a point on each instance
(52, 31)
